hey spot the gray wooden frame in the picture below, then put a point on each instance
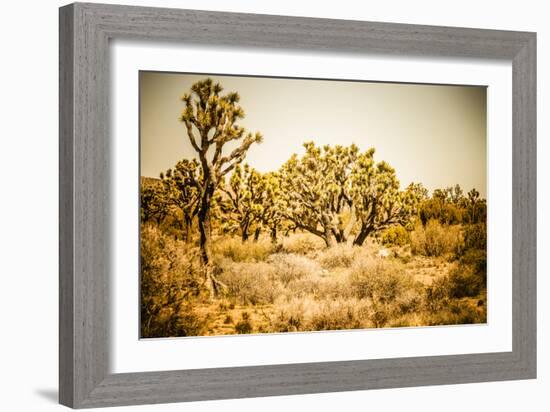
(85, 31)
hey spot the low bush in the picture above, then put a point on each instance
(239, 251)
(297, 315)
(338, 256)
(389, 290)
(248, 282)
(170, 287)
(379, 280)
(435, 239)
(290, 267)
(464, 282)
(395, 236)
(244, 326)
(456, 312)
(302, 243)
(475, 236)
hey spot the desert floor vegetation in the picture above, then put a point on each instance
(300, 284)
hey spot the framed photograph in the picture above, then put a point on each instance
(256, 205)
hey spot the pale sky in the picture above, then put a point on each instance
(432, 134)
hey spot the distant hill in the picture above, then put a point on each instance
(149, 181)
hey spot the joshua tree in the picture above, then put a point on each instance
(182, 191)
(270, 215)
(210, 119)
(242, 200)
(315, 191)
(331, 191)
(378, 201)
(153, 204)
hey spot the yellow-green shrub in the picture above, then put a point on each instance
(435, 239)
(395, 236)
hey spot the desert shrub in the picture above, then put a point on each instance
(299, 314)
(290, 267)
(339, 314)
(435, 239)
(456, 312)
(439, 209)
(290, 316)
(341, 255)
(248, 282)
(461, 282)
(378, 280)
(389, 290)
(239, 251)
(476, 259)
(170, 287)
(302, 243)
(395, 236)
(464, 282)
(244, 325)
(475, 236)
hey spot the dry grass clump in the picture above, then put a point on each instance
(303, 314)
(385, 285)
(239, 251)
(249, 282)
(379, 279)
(436, 239)
(302, 243)
(170, 287)
(338, 256)
(290, 267)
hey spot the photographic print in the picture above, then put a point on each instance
(271, 205)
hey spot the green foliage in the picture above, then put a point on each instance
(395, 236)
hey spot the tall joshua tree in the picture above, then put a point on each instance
(210, 119)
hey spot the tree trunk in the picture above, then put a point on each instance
(329, 236)
(362, 235)
(274, 235)
(188, 223)
(257, 234)
(329, 239)
(213, 285)
(244, 235)
(205, 240)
